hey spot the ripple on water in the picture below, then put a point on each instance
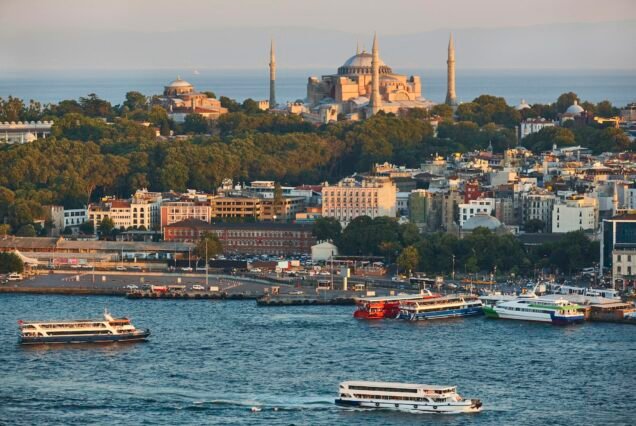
(209, 363)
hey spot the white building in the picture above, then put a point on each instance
(533, 125)
(473, 207)
(374, 196)
(143, 209)
(66, 218)
(24, 132)
(574, 214)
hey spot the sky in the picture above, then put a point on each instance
(58, 34)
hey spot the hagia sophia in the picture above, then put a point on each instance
(363, 86)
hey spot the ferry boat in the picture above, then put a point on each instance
(405, 397)
(104, 330)
(381, 307)
(459, 305)
(534, 308)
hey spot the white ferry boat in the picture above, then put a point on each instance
(406, 397)
(533, 308)
(458, 305)
(104, 330)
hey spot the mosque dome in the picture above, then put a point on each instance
(522, 105)
(575, 109)
(361, 63)
(179, 83)
(482, 220)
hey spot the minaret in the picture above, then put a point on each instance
(375, 102)
(272, 76)
(451, 97)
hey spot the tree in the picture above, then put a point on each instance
(327, 229)
(93, 106)
(87, 228)
(5, 229)
(10, 262)
(443, 110)
(565, 100)
(408, 259)
(195, 123)
(26, 231)
(534, 225)
(210, 94)
(213, 244)
(544, 139)
(106, 226)
(135, 100)
(606, 109)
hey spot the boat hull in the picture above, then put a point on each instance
(534, 317)
(473, 406)
(448, 313)
(95, 338)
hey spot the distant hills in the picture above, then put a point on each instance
(553, 46)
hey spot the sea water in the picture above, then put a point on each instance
(209, 362)
(540, 86)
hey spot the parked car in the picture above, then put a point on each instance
(120, 268)
(186, 269)
(295, 292)
(132, 287)
(198, 287)
(136, 268)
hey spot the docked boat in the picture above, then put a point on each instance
(405, 397)
(459, 305)
(533, 308)
(381, 307)
(105, 330)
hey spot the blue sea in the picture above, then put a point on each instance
(541, 86)
(209, 362)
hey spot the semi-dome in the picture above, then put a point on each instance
(575, 109)
(482, 220)
(361, 63)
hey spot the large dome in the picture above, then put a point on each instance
(179, 83)
(361, 63)
(575, 109)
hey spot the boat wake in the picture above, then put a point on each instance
(256, 406)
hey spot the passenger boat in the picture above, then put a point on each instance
(405, 397)
(105, 330)
(533, 308)
(381, 307)
(459, 305)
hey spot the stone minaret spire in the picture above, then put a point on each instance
(451, 97)
(375, 102)
(272, 76)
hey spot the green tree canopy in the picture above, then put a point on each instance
(213, 244)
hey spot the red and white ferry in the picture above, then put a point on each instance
(380, 307)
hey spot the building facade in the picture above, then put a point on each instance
(349, 198)
(176, 211)
(247, 238)
(576, 213)
(484, 206)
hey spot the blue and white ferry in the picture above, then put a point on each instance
(107, 330)
(458, 305)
